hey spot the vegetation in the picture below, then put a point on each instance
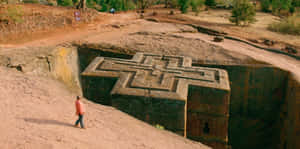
(243, 13)
(143, 4)
(106, 5)
(13, 14)
(281, 5)
(210, 3)
(31, 1)
(296, 3)
(3, 1)
(171, 3)
(196, 4)
(159, 127)
(290, 25)
(65, 2)
(265, 5)
(183, 5)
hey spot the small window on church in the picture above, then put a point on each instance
(206, 128)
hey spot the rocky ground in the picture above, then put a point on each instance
(38, 110)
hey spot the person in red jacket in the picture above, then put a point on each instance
(80, 112)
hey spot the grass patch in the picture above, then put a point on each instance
(13, 13)
(290, 25)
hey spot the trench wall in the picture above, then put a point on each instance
(257, 105)
(59, 62)
(207, 116)
(264, 104)
(165, 112)
(291, 137)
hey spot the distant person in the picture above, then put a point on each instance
(79, 111)
(112, 10)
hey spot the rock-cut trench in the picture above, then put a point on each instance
(263, 109)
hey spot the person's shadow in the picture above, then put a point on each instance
(46, 122)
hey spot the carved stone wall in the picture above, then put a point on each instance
(293, 109)
(259, 106)
(165, 90)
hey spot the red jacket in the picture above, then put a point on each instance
(79, 107)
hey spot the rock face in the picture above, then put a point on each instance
(39, 113)
(59, 62)
(164, 90)
(293, 121)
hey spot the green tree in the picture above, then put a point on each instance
(183, 5)
(296, 3)
(243, 13)
(210, 3)
(265, 5)
(196, 4)
(118, 5)
(279, 5)
(143, 4)
(65, 2)
(170, 3)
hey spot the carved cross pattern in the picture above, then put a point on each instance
(156, 76)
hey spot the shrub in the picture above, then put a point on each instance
(31, 1)
(196, 4)
(118, 5)
(265, 5)
(171, 3)
(296, 3)
(280, 5)
(210, 3)
(130, 5)
(13, 13)
(243, 13)
(184, 5)
(104, 8)
(290, 25)
(65, 2)
(3, 2)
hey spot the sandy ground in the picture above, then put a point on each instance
(39, 112)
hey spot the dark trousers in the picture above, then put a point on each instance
(80, 120)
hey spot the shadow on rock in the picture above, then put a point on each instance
(47, 122)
